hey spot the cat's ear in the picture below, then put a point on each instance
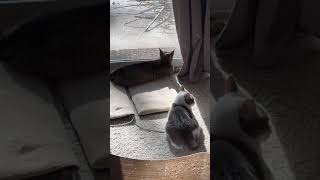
(161, 53)
(230, 84)
(170, 57)
(181, 88)
(172, 53)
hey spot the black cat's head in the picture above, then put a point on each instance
(166, 57)
(253, 119)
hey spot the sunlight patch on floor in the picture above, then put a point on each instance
(133, 142)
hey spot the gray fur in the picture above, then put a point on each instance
(183, 130)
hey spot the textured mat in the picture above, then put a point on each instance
(145, 139)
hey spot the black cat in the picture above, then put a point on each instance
(143, 72)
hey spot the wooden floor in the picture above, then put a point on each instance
(192, 167)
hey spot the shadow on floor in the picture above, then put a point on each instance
(290, 91)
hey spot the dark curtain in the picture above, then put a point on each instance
(192, 19)
(309, 17)
(259, 29)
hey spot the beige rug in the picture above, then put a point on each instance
(146, 139)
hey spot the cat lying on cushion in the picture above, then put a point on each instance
(239, 126)
(143, 72)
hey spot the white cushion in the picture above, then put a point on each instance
(154, 97)
(120, 104)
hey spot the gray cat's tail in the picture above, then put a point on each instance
(194, 141)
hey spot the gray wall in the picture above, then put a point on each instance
(309, 17)
(221, 8)
(13, 15)
(222, 5)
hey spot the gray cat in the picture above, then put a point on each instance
(143, 72)
(239, 126)
(183, 130)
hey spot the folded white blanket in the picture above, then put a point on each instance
(120, 104)
(154, 97)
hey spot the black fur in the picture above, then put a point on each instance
(143, 72)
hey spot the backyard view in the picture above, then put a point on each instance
(136, 24)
